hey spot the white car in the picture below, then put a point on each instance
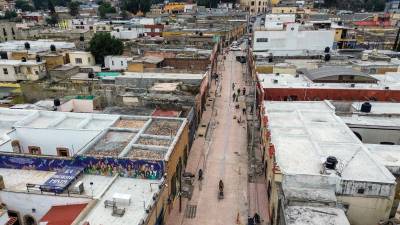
(235, 48)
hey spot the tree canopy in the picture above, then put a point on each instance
(103, 44)
(357, 5)
(73, 8)
(105, 8)
(134, 6)
(23, 5)
(208, 3)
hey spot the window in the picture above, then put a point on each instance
(361, 191)
(122, 63)
(5, 71)
(262, 40)
(12, 31)
(78, 60)
(252, 3)
(112, 62)
(36, 72)
(88, 59)
(34, 150)
(259, 3)
(63, 152)
(4, 32)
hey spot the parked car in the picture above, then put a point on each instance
(235, 48)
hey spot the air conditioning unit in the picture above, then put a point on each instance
(78, 187)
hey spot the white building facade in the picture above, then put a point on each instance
(116, 62)
(292, 40)
(17, 70)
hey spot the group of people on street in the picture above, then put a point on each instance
(235, 95)
(255, 220)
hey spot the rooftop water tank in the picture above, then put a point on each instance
(331, 162)
(366, 107)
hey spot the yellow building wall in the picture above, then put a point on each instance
(338, 34)
(158, 207)
(366, 211)
(174, 7)
(171, 165)
(53, 61)
(286, 10)
(283, 70)
(275, 2)
(135, 67)
(265, 69)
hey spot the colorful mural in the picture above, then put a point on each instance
(124, 167)
(144, 169)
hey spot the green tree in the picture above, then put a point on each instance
(73, 8)
(134, 6)
(10, 14)
(52, 20)
(103, 44)
(105, 8)
(61, 2)
(208, 3)
(374, 5)
(40, 4)
(23, 5)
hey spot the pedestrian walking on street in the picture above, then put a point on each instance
(238, 91)
(233, 86)
(234, 96)
(244, 111)
(244, 91)
(250, 221)
(237, 98)
(257, 219)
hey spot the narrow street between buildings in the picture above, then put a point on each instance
(222, 155)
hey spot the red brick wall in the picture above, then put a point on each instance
(310, 94)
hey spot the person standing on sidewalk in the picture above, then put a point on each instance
(244, 91)
(233, 86)
(238, 91)
(234, 97)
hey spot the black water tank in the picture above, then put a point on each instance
(366, 107)
(57, 102)
(331, 162)
(38, 59)
(327, 50)
(52, 48)
(327, 57)
(91, 75)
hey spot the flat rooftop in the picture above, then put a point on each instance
(301, 81)
(161, 76)
(305, 215)
(366, 120)
(16, 179)
(35, 46)
(388, 155)
(10, 62)
(141, 194)
(379, 107)
(107, 135)
(112, 143)
(66, 120)
(301, 147)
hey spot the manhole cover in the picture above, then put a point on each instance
(191, 211)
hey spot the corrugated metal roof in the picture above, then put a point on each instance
(329, 71)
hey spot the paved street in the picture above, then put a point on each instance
(226, 158)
